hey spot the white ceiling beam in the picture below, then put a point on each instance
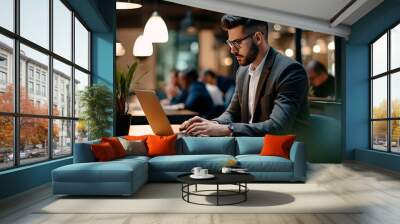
(269, 15)
(347, 12)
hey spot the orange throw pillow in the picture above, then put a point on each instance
(161, 145)
(116, 145)
(136, 138)
(103, 152)
(277, 145)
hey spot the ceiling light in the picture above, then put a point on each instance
(129, 4)
(120, 50)
(142, 47)
(277, 27)
(316, 49)
(289, 52)
(156, 29)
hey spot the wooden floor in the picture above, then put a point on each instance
(378, 189)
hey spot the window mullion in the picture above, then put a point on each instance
(389, 106)
(50, 81)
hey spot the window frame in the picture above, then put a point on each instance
(388, 74)
(16, 114)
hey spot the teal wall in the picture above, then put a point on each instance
(100, 16)
(357, 84)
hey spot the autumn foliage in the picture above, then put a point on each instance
(33, 131)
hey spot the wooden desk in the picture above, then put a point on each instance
(146, 129)
(174, 116)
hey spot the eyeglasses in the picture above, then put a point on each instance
(237, 43)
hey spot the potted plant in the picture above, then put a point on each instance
(95, 102)
(123, 82)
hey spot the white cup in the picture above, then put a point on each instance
(226, 170)
(203, 172)
(196, 171)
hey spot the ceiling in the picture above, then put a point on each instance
(326, 16)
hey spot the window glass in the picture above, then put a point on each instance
(395, 95)
(282, 39)
(379, 135)
(7, 14)
(62, 138)
(6, 142)
(81, 45)
(395, 47)
(34, 144)
(62, 89)
(379, 98)
(395, 136)
(81, 81)
(379, 56)
(62, 29)
(6, 74)
(35, 21)
(81, 131)
(31, 58)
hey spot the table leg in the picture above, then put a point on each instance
(245, 193)
(217, 194)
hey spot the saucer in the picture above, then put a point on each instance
(208, 176)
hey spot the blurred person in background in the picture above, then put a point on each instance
(172, 89)
(322, 84)
(209, 78)
(194, 95)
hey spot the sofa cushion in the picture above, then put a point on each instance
(161, 145)
(134, 147)
(116, 145)
(112, 171)
(257, 163)
(206, 145)
(277, 145)
(185, 163)
(249, 145)
(83, 152)
(103, 152)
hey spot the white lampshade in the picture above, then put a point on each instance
(142, 47)
(129, 4)
(120, 50)
(156, 29)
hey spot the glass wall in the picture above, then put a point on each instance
(38, 85)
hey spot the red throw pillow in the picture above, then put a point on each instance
(136, 138)
(277, 145)
(103, 151)
(116, 145)
(161, 145)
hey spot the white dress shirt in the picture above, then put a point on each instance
(254, 78)
(216, 94)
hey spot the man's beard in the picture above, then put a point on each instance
(251, 56)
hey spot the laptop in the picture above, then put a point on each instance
(154, 113)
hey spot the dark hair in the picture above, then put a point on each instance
(231, 21)
(190, 74)
(210, 73)
(317, 67)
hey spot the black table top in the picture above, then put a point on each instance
(220, 178)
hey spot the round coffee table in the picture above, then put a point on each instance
(238, 179)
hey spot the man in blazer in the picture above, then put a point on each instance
(271, 89)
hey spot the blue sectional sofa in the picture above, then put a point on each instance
(125, 176)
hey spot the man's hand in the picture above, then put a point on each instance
(207, 128)
(191, 121)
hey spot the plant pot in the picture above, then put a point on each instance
(122, 124)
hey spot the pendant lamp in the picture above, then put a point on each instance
(129, 4)
(142, 47)
(155, 29)
(120, 50)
